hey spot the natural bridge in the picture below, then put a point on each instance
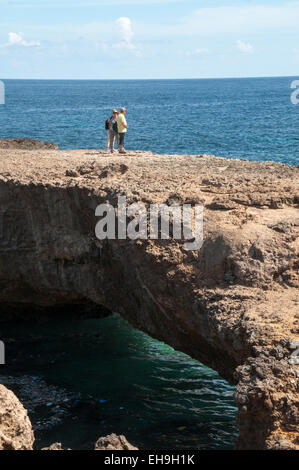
(233, 305)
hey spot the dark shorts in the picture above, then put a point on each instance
(122, 138)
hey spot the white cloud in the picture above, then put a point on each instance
(199, 51)
(16, 39)
(244, 47)
(126, 33)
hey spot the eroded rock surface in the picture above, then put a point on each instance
(233, 305)
(113, 442)
(26, 144)
(55, 446)
(15, 427)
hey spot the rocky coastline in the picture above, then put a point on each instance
(233, 305)
(16, 431)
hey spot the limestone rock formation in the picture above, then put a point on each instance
(113, 442)
(55, 446)
(233, 305)
(26, 144)
(15, 427)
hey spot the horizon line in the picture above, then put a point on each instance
(146, 79)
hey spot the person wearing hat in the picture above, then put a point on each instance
(113, 130)
(122, 128)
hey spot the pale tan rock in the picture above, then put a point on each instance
(26, 144)
(15, 427)
(113, 442)
(55, 446)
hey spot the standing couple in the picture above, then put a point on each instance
(116, 128)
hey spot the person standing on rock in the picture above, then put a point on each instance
(107, 128)
(113, 130)
(122, 128)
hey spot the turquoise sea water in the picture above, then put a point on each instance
(248, 118)
(122, 381)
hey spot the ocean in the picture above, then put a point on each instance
(102, 376)
(238, 118)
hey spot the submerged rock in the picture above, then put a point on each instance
(16, 431)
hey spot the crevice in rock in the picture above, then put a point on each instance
(12, 311)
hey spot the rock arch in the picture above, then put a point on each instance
(225, 306)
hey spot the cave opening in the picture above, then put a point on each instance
(87, 375)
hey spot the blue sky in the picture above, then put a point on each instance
(102, 39)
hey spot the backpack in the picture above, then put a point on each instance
(107, 125)
(115, 127)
